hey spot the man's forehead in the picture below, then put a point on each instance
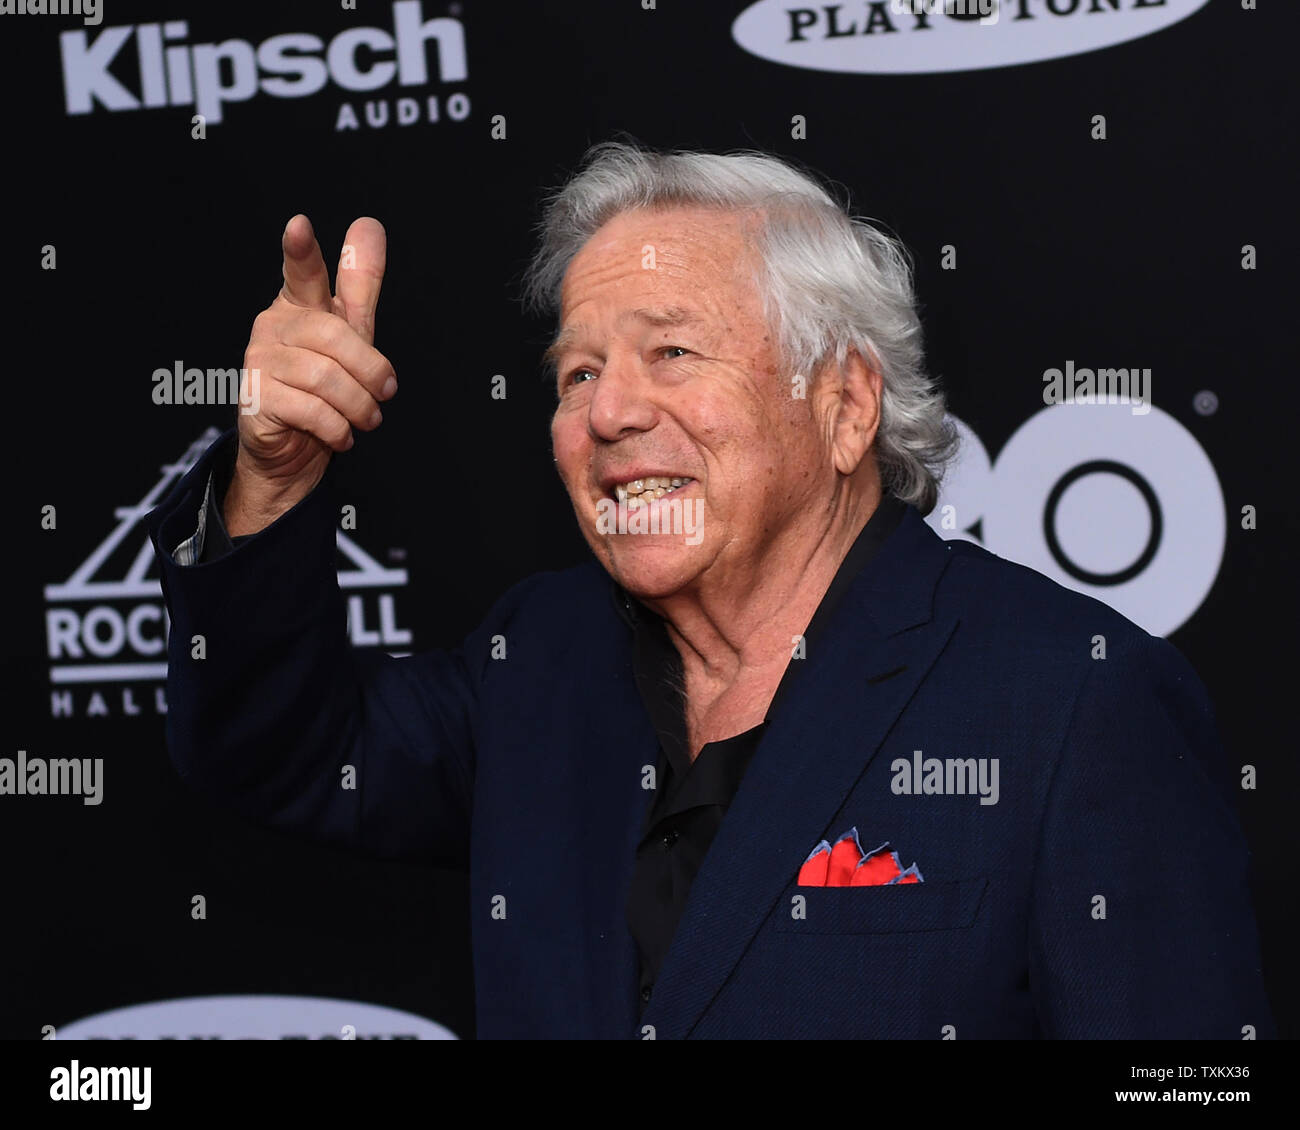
(688, 243)
(691, 252)
(669, 224)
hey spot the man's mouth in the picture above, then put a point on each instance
(641, 492)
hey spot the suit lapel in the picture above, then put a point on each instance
(872, 656)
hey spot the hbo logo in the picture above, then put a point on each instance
(1124, 508)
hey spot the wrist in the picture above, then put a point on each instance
(254, 501)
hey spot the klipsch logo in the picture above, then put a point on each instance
(1125, 508)
(208, 76)
(924, 36)
(106, 632)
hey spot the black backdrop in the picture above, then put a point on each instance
(167, 246)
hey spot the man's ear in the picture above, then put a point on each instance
(855, 414)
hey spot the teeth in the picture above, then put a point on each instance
(644, 490)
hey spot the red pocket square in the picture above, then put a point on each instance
(846, 865)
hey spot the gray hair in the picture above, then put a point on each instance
(830, 282)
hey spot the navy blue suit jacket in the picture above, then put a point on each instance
(1103, 895)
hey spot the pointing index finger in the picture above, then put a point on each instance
(306, 281)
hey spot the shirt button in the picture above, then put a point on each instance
(670, 838)
(645, 995)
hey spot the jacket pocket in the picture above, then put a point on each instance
(906, 908)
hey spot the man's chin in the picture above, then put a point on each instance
(649, 571)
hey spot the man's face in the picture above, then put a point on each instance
(668, 369)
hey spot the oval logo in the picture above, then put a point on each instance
(258, 1017)
(929, 36)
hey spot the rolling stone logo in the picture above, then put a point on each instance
(106, 626)
(1122, 507)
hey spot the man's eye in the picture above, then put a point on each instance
(678, 350)
(579, 375)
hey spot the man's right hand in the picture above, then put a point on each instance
(319, 372)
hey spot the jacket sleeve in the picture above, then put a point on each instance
(1141, 925)
(272, 711)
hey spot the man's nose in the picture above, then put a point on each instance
(621, 401)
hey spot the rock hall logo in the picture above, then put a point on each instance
(106, 626)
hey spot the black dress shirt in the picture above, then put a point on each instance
(691, 798)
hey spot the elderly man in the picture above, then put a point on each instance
(793, 767)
